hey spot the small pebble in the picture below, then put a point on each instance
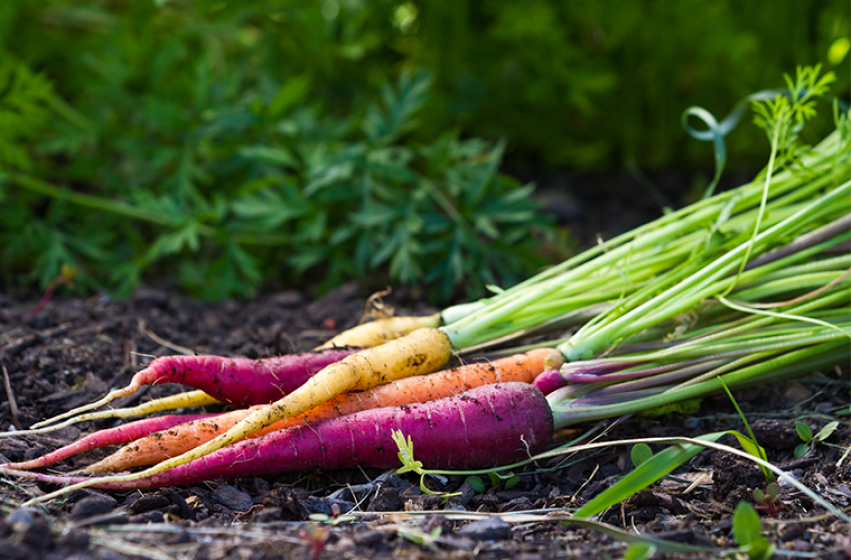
(92, 505)
(148, 517)
(149, 503)
(345, 544)
(488, 529)
(20, 519)
(791, 531)
(801, 546)
(232, 498)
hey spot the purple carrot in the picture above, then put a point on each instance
(112, 436)
(239, 381)
(484, 427)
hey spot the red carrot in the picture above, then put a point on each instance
(237, 381)
(112, 436)
(485, 427)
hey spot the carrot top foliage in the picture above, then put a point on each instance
(262, 187)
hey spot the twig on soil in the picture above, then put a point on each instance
(163, 342)
(358, 488)
(584, 484)
(696, 483)
(844, 456)
(13, 406)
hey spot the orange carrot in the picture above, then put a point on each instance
(179, 439)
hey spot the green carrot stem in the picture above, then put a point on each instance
(806, 336)
(750, 324)
(685, 293)
(789, 364)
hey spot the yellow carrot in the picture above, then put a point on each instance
(180, 400)
(380, 331)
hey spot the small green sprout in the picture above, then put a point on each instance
(640, 453)
(495, 477)
(420, 538)
(746, 529)
(476, 483)
(510, 479)
(334, 519)
(316, 537)
(749, 444)
(810, 440)
(769, 501)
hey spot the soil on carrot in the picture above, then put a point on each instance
(76, 349)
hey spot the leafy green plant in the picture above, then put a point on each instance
(177, 140)
(811, 440)
(337, 198)
(549, 75)
(25, 99)
(749, 444)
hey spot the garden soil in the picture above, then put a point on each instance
(75, 350)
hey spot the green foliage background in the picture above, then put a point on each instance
(227, 146)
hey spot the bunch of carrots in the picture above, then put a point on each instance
(739, 288)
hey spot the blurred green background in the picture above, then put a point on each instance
(227, 147)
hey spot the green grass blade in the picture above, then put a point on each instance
(644, 475)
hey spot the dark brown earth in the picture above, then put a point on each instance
(76, 349)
